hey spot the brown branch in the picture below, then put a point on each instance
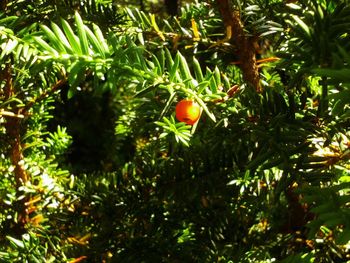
(3, 5)
(59, 84)
(14, 131)
(10, 114)
(245, 44)
(13, 128)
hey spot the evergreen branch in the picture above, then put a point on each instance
(58, 85)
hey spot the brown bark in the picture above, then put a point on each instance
(3, 5)
(298, 213)
(172, 7)
(13, 132)
(244, 43)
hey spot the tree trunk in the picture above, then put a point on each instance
(172, 7)
(3, 5)
(13, 127)
(245, 44)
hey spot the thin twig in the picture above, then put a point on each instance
(59, 84)
(11, 114)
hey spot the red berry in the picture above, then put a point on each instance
(187, 111)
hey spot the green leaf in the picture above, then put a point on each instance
(45, 46)
(334, 221)
(96, 44)
(82, 34)
(8, 19)
(322, 208)
(130, 14)
(173, 74)
(202, 86)
(75, 77)
(169, 59)
(260, 159)
(342, 75)
(212, 84)
(197, 70)
(25, 52)
(8, 47)
(200, 102)
(34, 259)
(183, 140)
(145, 91)
(167, 121)
(145, 19)
(18, 51)
(15, 242)
(226, 82)
(302, 24)
(53, 39)
(184, 69)
(293, 6)
(141, 38)
(168, 104)
(72, 38)
(344, 237)
(61, 36)
(161, 59)
(101, 38)
(217, 77)
(158, 67)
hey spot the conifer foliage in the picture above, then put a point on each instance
(96, 167)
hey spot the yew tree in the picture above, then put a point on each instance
(207, 131)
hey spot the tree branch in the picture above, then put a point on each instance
(59, 84)
(13, 126)
(245, 44)
(11, 114)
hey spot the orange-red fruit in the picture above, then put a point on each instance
(187, 111)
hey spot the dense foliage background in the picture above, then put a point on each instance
(94, 167)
